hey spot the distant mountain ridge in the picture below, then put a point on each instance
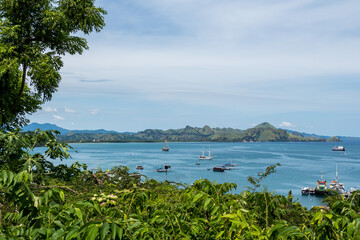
(264, 132)
(63, 131)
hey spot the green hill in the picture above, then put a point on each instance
(264, 132)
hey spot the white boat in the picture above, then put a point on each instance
(337, 186)
(161, 170)
(338, 148)
(305, 190)
(165, 147)
(208, 157)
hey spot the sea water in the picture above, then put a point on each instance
(302, 164)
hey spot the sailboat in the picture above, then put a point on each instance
(208, 157)
(336, 185)
(165, 147)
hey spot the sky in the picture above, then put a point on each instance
(166, 64)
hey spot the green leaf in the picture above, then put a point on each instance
(72, 233)
(92, 232)
(207, 202)
(58, 234)
(231, 216)
(62, 196)
(288, 230)
(197, 197)
(114, 228)
(79, 214)
(104, 230)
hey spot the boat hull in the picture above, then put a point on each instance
(218, 169)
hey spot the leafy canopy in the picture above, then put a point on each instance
(34, 34)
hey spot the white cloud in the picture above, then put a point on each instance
(68, 110)
(50, 109)
(94, 112)
(286, 124)
(57, 117)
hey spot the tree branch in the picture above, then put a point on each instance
(63, 187)
(21, 88)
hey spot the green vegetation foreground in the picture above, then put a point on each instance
(42, 201)
(39, 200)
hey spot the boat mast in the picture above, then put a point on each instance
(337, 178)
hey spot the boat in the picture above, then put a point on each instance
(336, 186)
(260, 174)
(164, 169)
(161, 170)
(312, 190)
(208, 157)
(165, 147)
(226, 168)
(218, 169)
(229, 164)
(197, 163)
(305, 191)
(321, 187)
(139, 167)
(338, 148)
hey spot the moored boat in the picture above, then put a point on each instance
(165, 147)
(321, 187)
(338, 148)
(312, 190)
(305, 190)
(164, 169)
(229, 164)
(218, 169)
(337, 186)
(139, 167)
(226, 168)
(208, 157)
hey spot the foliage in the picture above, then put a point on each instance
(71, 202)
(34, 34)
(255, 181)
(334, 139)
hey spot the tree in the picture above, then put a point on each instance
(34, 34)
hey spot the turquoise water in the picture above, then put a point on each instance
(302, 164)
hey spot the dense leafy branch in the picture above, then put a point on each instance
(34, 34)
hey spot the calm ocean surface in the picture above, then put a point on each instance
(302, 164)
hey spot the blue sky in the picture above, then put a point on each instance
(165, 64)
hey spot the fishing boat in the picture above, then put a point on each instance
(139, 167)
(208, 157)
(305, 190)
(338, 148)
(165, 147)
